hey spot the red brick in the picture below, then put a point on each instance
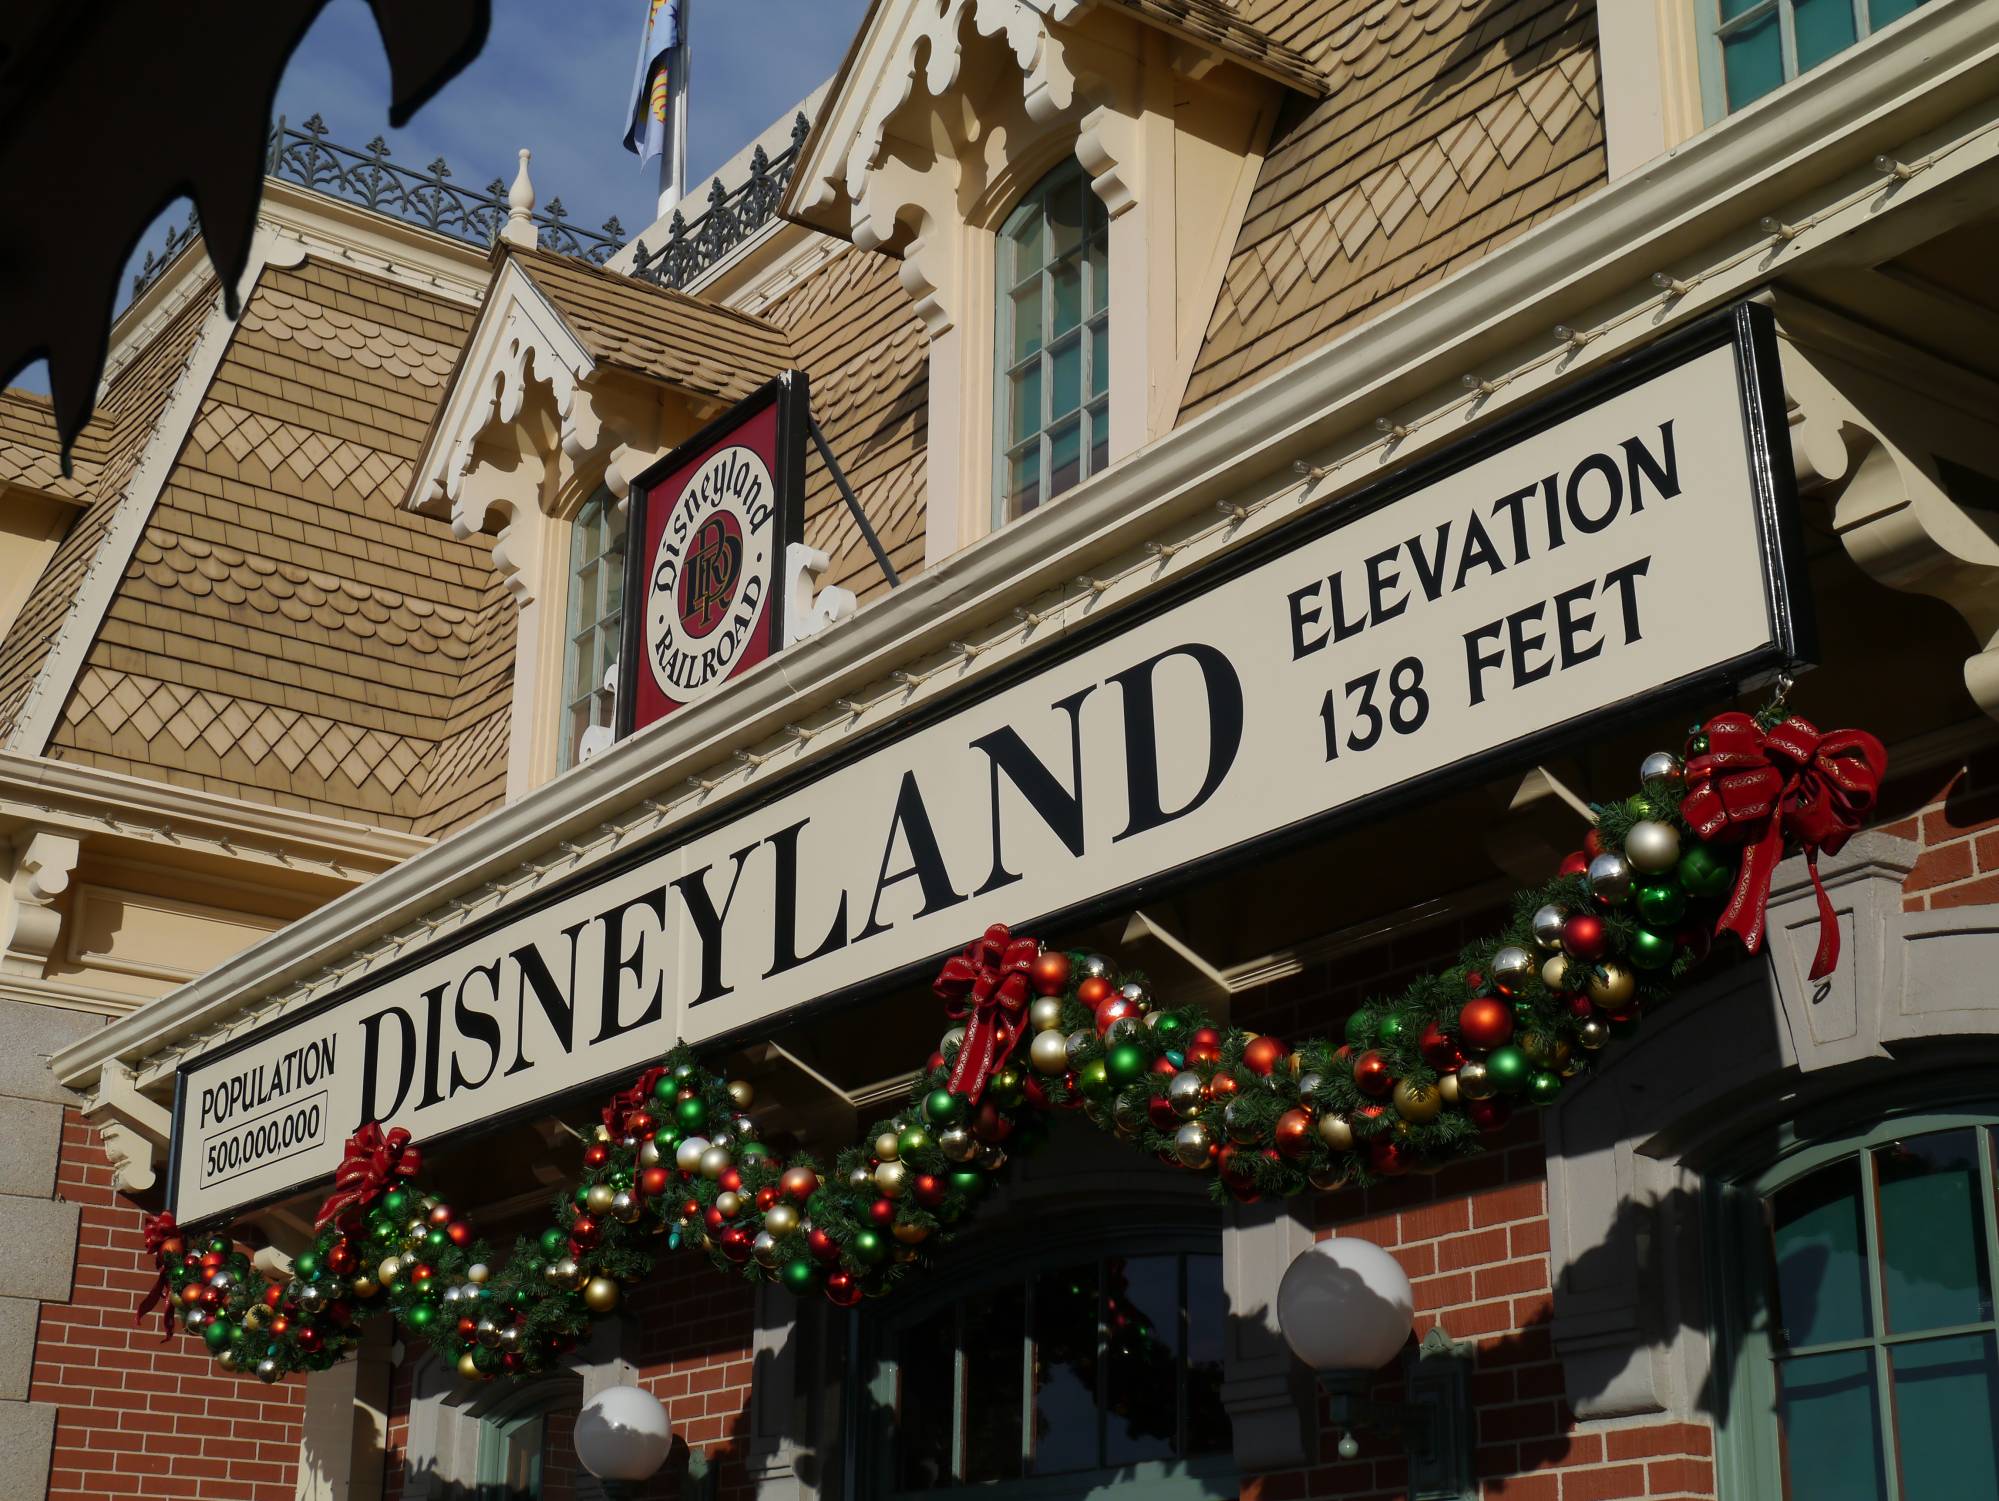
(1462, 1251)
(1680, 1476)
(1659, 1438)
(1522, 1488)
(1561, 1452)
(1519, 1201)
(1951, 862)
(1603, 1485)
(1986, 848)
(1513, 1277)
(1432, 1220)
(1970, 894)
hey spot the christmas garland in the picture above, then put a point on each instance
(1413, 1084)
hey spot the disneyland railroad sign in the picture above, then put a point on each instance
(710, 523)
(1627, 543)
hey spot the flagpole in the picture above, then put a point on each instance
(673, 160)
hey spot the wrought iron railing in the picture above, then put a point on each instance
(429, 198)
(733, 215)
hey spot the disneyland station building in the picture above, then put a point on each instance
(1230, 486)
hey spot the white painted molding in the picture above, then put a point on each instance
(134, 1129)
(43, 861)
(804, 613)
(1803, 147)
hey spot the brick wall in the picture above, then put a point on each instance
(695, 1335)
(1954, 817)
(138, 1417)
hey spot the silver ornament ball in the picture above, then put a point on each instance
(1045, 1015)
(1652, 846)
(958, 1145)
(1079, 1042)
(1096, 967)
(1547, 925)
(1191, 1143)
(1048, 1053)
(1186, 1093)
(1610, 878)
(1662, 766)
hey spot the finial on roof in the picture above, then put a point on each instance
(520, 228)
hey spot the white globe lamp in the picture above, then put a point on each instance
(1345, 1306)
(622, 1438)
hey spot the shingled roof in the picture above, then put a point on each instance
(633, 325)
(1217, 23)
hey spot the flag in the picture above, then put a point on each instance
(649, 128)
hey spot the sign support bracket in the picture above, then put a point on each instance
(853, 501)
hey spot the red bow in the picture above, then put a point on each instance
(1756, 789)
(986, 988)
(159, 1229)
(374, 1160)
(629, 1102)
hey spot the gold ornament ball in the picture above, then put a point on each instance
(1045, 1015)
(891, 1178)
(255, 1316)
(781, 1219)
(861, 1179)
(478, 1272)
(1336, 1131)
(1593, 1033)
(649, 1154)
(564, 1274)
(1546, 1050)
(1447, 1088)
(1614, 988)
(764, 1249)
(1475, 1081)
(1328, 1178)
(1652, 846)
(729, 1205)
(888, 1146)
(600, 1294)
(911, 1235)
(390, 1269)
(1417, 1103)
(716, 1161)
(741, 1095)
(1049, 1052)
(1558, 973)
(598, 1199)
(603, 1133)
(229, 1360)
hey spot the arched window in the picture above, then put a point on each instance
(1051, 333)
(526, 1452)
(1857, 1285)
(1095, 1359)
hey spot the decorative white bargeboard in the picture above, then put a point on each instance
(1625, 545)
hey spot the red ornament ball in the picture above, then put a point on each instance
(459, 1233)
(1485, 1022)
(1585, 937)
(340, 1258)
(1574, 863)
(1160, 1112)
(1293, 1134)
(467, 1327)
(640, 1123)
(842, 1290)
(935, 1062)
(583, 1230)
(596, 1154)
(1221, 1086)
(736, 1243)
(1233, 1166)
(1117, 1008)
(1593, 844)
(1371, 1075)
(929, 1190)
(990, 1123)
(274, 1295)
(766, 1196)
(713, 1218)
(1439, 1049)
(1262, 1054)
(280, 1324)
(731, 1181)
(822, 1246)
(1388, 1156)
(1094, 991)
(882, 1211)
(1488, 1115)
(311, 1340)
(1050, 972)
(1582, 1007)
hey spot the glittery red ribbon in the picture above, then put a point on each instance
(1757, 788)
(986, 988)
(159, 1229)
(629, 1102)
(374, 1160)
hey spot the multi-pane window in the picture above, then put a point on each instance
(596, 606)
(526, 1452)
(1871, 1358)
(1757, 45)
(1052, 336)
(1074, 1369)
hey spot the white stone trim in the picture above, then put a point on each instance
(36, 721)
(1649, 59)
(1807, 148)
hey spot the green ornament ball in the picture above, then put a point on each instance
(668, 1138)
(1360, 1030)
(436, 1241)
(913, 1139)
(666, 1088)
(968, 1181)
(1702, 872)
(1167, 1028)
(869, 1246)
(941, 1107)
(1650, 950)
(1125, 1063)
(554, 1244)
(799, 1276)
(581, 1196)
(1544, 1088)
(420, 1315)
(1661, 903)
(307, 1265)
(691, 1113)
(750, 1151)
(218, 1333)
(382, 1228)
(1390, 1029)
(1508, 1068)
(395, 1201)
(1094, 1079)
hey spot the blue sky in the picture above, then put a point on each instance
(553, 77)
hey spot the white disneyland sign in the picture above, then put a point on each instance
(1592, 558)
